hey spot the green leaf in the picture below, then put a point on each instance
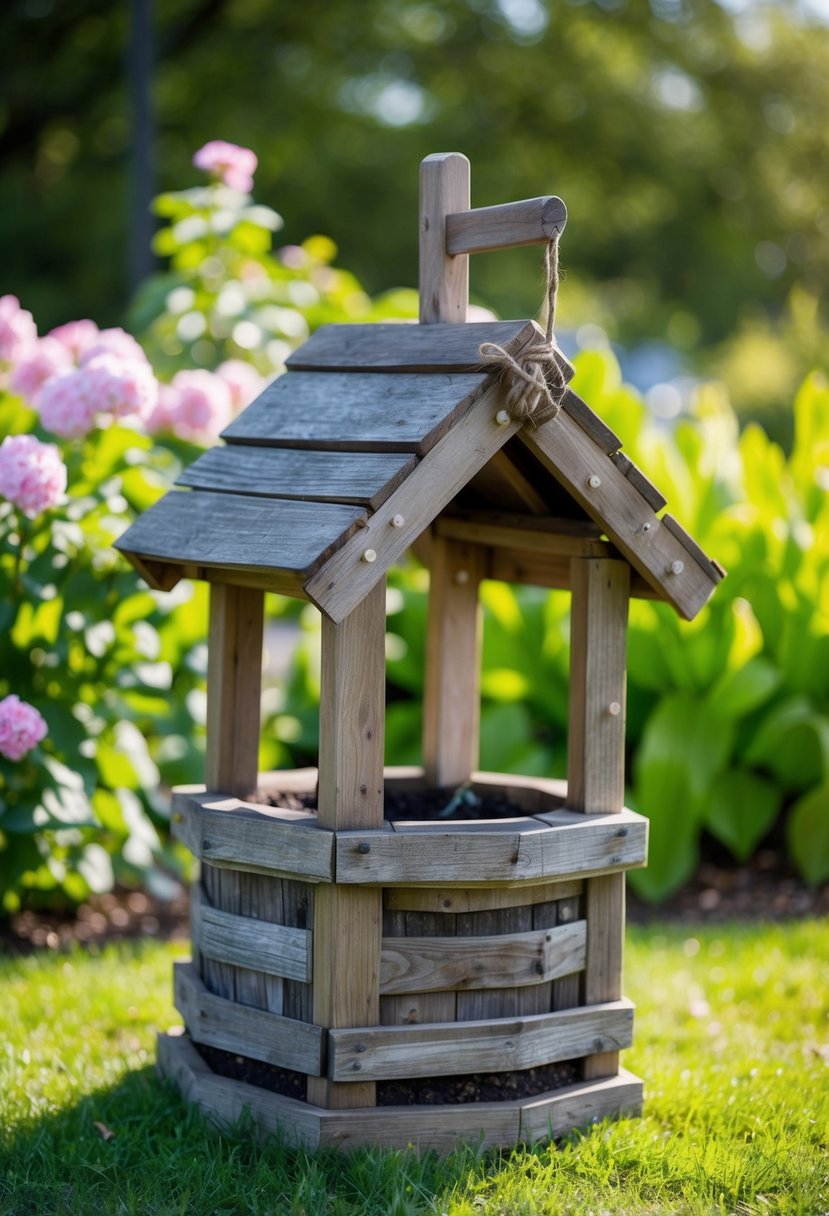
(740, 809)
(739, 692)
(792, 742)
(808, 834)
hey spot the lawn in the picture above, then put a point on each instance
(732, 1039)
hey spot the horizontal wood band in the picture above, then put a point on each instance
(228, 832)
(467, 854)
(506, 960)
(255, 1033)
(439, 1128)
(503, 1045)
(246, 941)
(344, 411)
(357, 478)
(454, 900)
(406, 348)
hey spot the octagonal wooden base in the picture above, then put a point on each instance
(442, 1128)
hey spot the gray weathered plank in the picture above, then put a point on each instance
(257, 944)
(342, 411)
(432, 964)
(502, 1045)
(405, 348)
(579, 1105)
(241, 532)
(432, 855)
(361, 478)
(270, 840)
(247, 1031)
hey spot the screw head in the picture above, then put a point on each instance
(369, 555)
(614, 709)
(594, 481)
(502, 418)
(397, 521)
(677, 567)
(363, 847)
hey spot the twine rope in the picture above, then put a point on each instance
(536, 381)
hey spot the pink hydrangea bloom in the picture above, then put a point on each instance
(65, 405)
(21, 727)
(243, 381)
(229, 163)
(161, 416)
(201, 409)
(76, 336)
(119, 386)
(114, 342)
(32, 474)
(18, 332)
(48, 357)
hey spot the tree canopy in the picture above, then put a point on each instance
(687, 138)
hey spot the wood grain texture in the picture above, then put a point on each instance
(502, 1045)
(352, 715)
(234, 689)
(451, 697)
(454, 901)
(246, 941)
(393, 347)
(341, 583)
(570, 454)
(605, 912)
(471, 853)
(538, 534)
(240, 532)
(532, 221)
(230, 833)
(352, 411)
(566, 992)
(255, 1033)
(348, 923)
(652, 496)
(432, 964)
(556, 1113)
(359, 478)
(598, 684)
(443, 279)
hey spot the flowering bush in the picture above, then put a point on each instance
(101, 679)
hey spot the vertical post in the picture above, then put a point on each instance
(450, 709)
(451, 699)
(234, 688)
(348, 920)
(596, 760)
(444, 280)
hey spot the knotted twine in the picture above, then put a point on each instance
(536, 381)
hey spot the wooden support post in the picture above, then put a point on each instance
(348, 920)
(451, 701)
(234, 688)
(444, 279)
(596, 760)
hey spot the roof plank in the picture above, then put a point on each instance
(240, 532)
(363, 478)
(338, 411)
(391, 347)
(617, 505)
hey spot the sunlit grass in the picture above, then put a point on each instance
(732, 1040)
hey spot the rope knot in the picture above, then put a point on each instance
(536, 381)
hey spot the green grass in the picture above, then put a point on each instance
(732, 1039)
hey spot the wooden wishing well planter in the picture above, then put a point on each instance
(357, 980)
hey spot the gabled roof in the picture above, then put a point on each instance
(342, 464)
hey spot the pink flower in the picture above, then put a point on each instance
(201, 408)
(119, 386)
(228, 163)
(48, 357)
(18, 332)
(21, 727)
(76, 336)
(243, 381)
(114, 342)
(160, 417)
(32, 474)
(65, 405)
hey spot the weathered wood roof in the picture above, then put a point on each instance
(344, 462)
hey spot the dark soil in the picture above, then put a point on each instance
(411, 805)
(425, 1091)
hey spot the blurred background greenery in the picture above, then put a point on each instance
(688, 138)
